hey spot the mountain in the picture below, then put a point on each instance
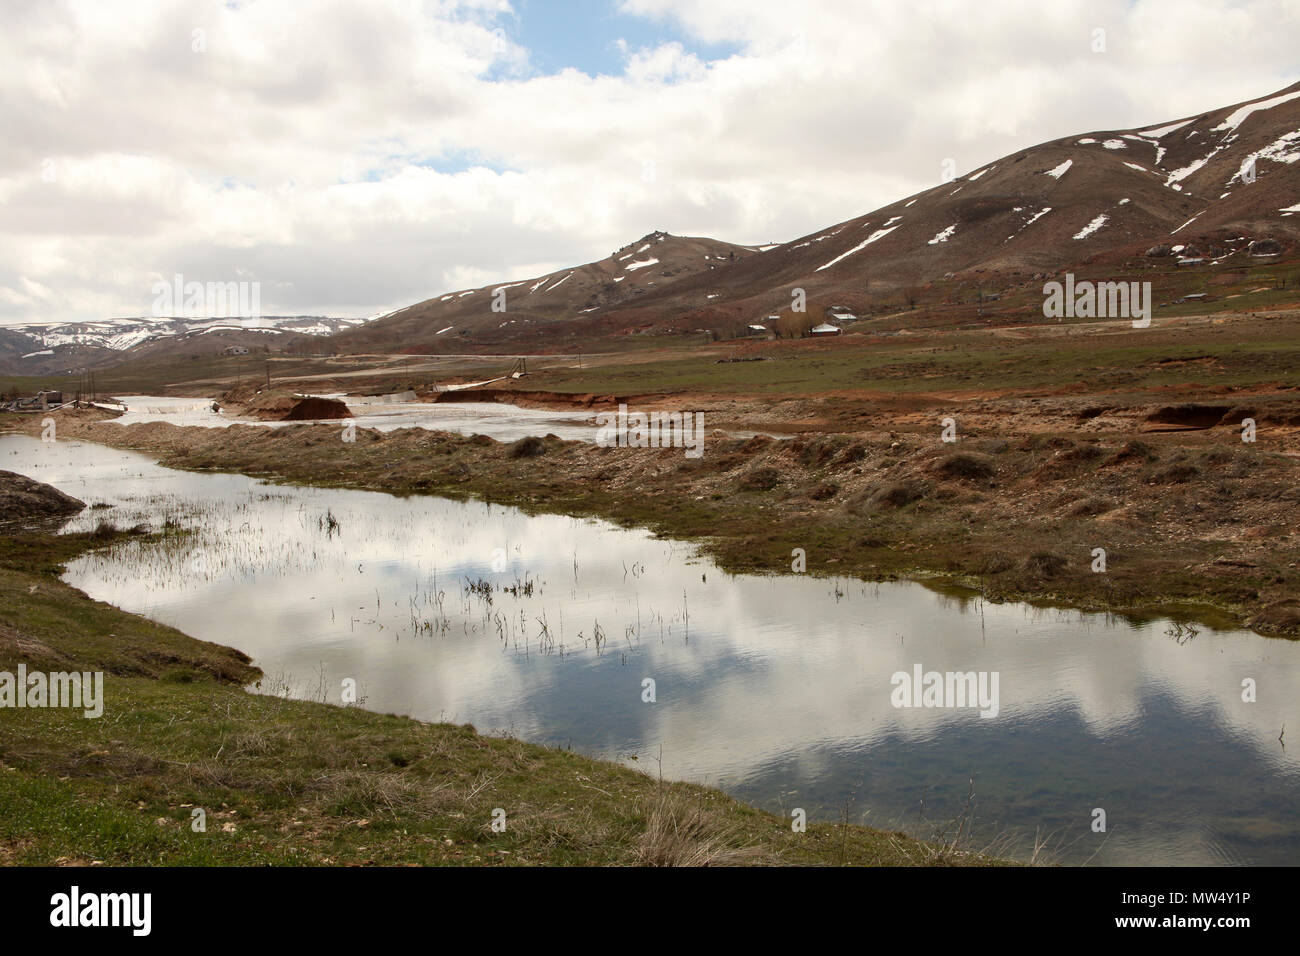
(526, 306)
(13, 346)
(38, 348)
(1223, 186)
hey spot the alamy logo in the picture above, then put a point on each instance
(72, 909)
(1098, 300)
(953, 689)
(79, 691)
(200, 300)
(626, 429)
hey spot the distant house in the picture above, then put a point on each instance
(825, 329)
(756, 330)
(234, 350)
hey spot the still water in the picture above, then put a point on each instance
(496, 420)
(775, 688)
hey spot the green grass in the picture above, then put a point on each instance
(1244, 353)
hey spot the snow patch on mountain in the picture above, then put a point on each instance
(1061, 170)
(1285, 149)
(1238, 116)
(878, 234)
(1178, 175)
(1032, 219)
(1163, 131)
(1092, 227)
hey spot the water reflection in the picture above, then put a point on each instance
(776, 688)
(502, 422)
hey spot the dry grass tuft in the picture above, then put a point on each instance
(680, 832)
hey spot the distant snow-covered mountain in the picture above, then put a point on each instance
(121, 334)
(58, 348)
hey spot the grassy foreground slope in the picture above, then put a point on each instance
(294, 782)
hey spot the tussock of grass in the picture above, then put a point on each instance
(966, 466)
(682, 832)
(529, 447)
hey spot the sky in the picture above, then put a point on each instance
(356, 156)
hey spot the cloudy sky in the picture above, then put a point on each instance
(354, 156)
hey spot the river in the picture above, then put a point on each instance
(776, 688)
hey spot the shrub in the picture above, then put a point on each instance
(965, 466)
(1044, 563)
(1175, 474)
(1133, 451)
(997, 563)
(529, 447)
(897, 495)
(760, 479)
(825, 491)
(854, 453)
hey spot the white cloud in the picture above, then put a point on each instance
(305, 150)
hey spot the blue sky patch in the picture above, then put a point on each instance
(584, 35)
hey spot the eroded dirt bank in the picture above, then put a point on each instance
(27, 502)
(1201, 522)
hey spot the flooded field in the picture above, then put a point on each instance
(502, 422)
(779, 689)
